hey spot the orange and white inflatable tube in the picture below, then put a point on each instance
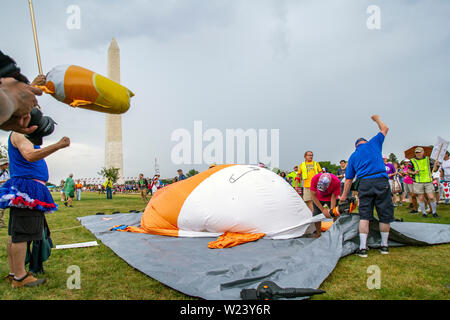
(80, 87)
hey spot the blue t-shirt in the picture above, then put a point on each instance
(367, 160)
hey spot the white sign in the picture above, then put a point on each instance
(446, 190)
(439, 150)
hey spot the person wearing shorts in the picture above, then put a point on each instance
(306, 171)
(28, 198)
(63, 191)
(143, 187)
(69, 187)
(325, 189)
(423, 181)
(408, 184)
(366, 163)
(409, 188)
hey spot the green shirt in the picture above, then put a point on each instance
(142, 183)
(69, 185)
(292, 175)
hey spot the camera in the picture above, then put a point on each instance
(45, 124)
(9, 69)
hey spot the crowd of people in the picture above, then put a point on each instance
(375, 182)
(401, 181)
(402, 178)
(70, 190)
(421, 187)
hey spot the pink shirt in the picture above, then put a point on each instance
(333, 188)
(407, 179)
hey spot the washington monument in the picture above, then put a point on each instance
(113, 136)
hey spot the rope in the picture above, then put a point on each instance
(65, 229)
(94, 224)
(91, 224)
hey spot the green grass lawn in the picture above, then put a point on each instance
(406, 273)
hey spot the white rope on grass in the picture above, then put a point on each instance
(65, 229)
(106, 219)
(81, 225)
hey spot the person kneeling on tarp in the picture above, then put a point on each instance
(366, 163)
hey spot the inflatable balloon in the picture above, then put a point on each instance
(80, 87)
(240, 203)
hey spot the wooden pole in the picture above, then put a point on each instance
(36, 44)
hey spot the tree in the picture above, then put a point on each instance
(331, 168)
(191, 173)
(111, 173)
(166, 181)
(392, 158)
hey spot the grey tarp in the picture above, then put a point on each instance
(189, 266)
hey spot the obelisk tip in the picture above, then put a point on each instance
(113, 44)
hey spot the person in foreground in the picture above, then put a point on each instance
(28, 198)
(366, 163)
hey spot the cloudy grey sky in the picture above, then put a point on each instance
(310, 68)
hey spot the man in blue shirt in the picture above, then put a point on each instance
(181, 175)
(367, 164)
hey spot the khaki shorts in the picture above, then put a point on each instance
(307, 194)
(421, 188)
(409, 188)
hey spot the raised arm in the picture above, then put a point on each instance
(381, 125)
